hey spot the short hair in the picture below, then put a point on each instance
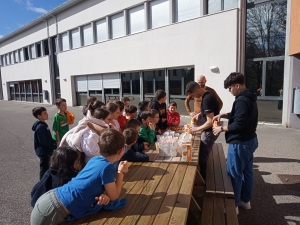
(110, 142)
(130, 135)
(172, 103)
(131, 109)
(143, 105)
(153, 112)
(101, 113)
(59, 101)
(125, 99)
(133, 123)
(92, 106)
(144, 115)
(159, 94)
(234, 78)
(112, 107)
(37, 111)
(120, 104)
(191, 87)
(91, 99)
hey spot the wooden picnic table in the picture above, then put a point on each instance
(157, 193)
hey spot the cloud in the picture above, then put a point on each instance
(1, 36)
(20, 2)
(30, 7)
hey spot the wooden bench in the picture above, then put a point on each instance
(157, 193)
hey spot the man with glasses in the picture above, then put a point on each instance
(240, 134)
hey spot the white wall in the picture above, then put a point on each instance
(29, 70)
(203, 42)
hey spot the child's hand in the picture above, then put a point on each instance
(103, 199)
(159, 131)
(175, 124)
(146, 146)
(152, 126)
(123, 167)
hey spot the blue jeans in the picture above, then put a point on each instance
(240, 169)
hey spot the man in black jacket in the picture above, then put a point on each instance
(241, 138)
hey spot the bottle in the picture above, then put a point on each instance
(215, 123)
(184, 153)
(193, 122)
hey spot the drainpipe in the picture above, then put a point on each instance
(241, 36)
(51, 62)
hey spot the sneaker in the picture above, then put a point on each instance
(245, 205)
(237, 210)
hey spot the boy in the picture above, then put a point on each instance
(121, 119)
(60, 122)
(154, 119)
(147, 129)
(141, 145)
(43, 142)
(172, 115)
(143, 106)
(126, 102)
(131, 112)
(159, 103)
(76, 199)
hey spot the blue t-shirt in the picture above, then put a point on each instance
(78, 196)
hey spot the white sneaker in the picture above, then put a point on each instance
(237, 210)
(245, 205)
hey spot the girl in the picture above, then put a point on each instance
(65, 164)
(114, 113)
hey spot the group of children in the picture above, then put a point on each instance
(90, 160)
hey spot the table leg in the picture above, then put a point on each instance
(199, 180)
(195, 210)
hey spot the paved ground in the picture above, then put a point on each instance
(276, 197)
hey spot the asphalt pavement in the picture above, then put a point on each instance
(276, 195)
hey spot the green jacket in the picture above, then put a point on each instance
(147, 134)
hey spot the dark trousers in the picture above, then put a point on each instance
(207, 141)
(44, 165)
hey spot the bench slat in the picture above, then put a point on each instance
(207, 210)
(231, 216)
(219, 216)
(210, 177)
(217, 171)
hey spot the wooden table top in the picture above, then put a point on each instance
(157, 193)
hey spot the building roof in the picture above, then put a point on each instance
(42, 18)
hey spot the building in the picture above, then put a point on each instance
(114, 48)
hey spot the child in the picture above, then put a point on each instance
(131, 112)
(126, 102)
(141, 145)
(121, 119)
(159, 103)
(114, 114)
(88, 101)
(147, 129)
(154, 119)
(172, 115)
(76, 199)
(143, 106)
(60, 123)
(131, 136)
(65, 164)
(43, 142)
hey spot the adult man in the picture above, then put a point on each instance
(201, 80)
(209, 108)
(241, 138)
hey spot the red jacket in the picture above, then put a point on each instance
(122, 121)
(173, 118)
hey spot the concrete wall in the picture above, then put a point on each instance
(29, 70)
(202, 43)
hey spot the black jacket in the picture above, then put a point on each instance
(139, 145)
(162, 110)
(243, 118)
(43, 142)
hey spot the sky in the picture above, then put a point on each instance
(17, 13)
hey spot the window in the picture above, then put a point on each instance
(38, 49)
(75, 38)
(21, 55)
(131, 83)
(153, 81)
(65, 41)
(117, 25)
(3, 60)
(12, 60)
(46, 47)
(101, 30)
(16, 56)
(26, 53)
(87, 35)
(186, 9)
(218, 5)
(7, 59)
(229, 4)
(159, 13)
(0, 60)
(136, 19)
(33, 52)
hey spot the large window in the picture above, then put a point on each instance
(101, 30)
(159, 13)
(87, 35)
(214, 6)
(26, 54)
(30, 90)
(65, 41)
(75, 38)
(186, 9)
(153, 81)
(136, 19)
(117, 25)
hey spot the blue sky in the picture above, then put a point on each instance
(16, 13)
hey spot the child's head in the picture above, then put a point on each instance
(111, 143)
(131, 111)
(90, 100)
(144, 106)
(172, 107)
(161, 96)
(103, 114)
(154, 116)
(126, 101)
(113, 109)
(40, 113)
(67, 161)
(130, 135)
(92, 106)
(61, 104)
(145, 118)
(121, 106)
(135, 124)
